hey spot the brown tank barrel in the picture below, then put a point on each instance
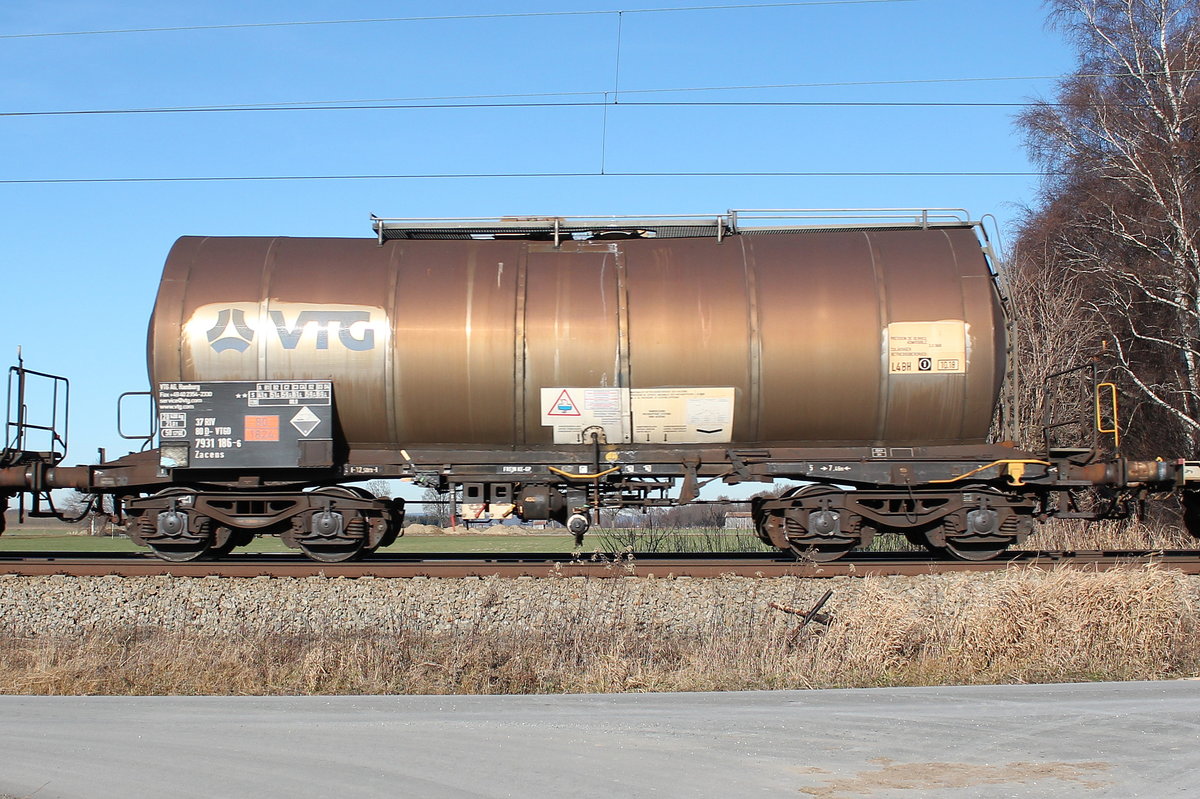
(879, 336)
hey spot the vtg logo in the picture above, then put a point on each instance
(231, 332)
(218, 335)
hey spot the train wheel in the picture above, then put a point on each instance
(177, 534)
(982, 530)
(332, 551)
(335, 534)
(186, 547)
(821, 551)
(960, 545)
(180, 552)
(976, 548)
(820, 530)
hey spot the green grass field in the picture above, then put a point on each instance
(61, 539)
(19, 540)
(50, 540)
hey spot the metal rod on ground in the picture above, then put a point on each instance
(806, 616)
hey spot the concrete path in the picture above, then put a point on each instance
(1093, 740)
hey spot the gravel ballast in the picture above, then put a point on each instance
(64, 606)
(163, 635)
(70, 606)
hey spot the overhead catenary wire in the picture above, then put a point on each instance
(602, 103)
(483, 175)
(447, 18)
(431, 103)
(595, 92)
(441, 101)
(615, 88)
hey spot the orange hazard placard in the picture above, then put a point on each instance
(262, 428)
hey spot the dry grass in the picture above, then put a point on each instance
(1016, 626)
(1056, 534)
(1071, 534)
(678, 539)
(1076, 535)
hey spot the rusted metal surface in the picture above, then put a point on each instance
(22, 477)
(556, 566)
(452, 341)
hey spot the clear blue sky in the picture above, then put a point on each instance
(81, 261)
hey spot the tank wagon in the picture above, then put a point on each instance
(545, 368)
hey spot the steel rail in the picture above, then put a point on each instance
(535, 565)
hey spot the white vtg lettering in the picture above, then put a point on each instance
(235, 329)
(343, 322)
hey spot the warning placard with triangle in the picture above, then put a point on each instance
(564, 406)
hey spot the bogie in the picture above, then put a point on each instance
(823, 523)
(331, 524)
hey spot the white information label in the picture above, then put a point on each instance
(682, 415)
(927, 347)
(641, 416)
(573, 412)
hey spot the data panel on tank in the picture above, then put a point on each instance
(688, 415)
(246, 424)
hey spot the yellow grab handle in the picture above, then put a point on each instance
(1100, 428)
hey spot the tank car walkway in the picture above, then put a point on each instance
(1094, 740)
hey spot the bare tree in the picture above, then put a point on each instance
(1056, 330)
(379, 488)
(1119, 216)
(438, 507)
(87, 511)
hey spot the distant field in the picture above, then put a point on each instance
(55, 541)
(1057, 534)
(51, 535)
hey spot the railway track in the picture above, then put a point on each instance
(531, 565)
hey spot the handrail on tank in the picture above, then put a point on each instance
(1009, 407)
(718, 225)
(19, 430)
(855, 217)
